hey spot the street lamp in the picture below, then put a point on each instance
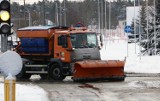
(155, 27)
(29, 18)
(99, 17)
(109, 19)
(147, 26)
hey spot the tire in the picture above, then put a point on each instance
(44, 76)
(56, 73)
(117, 79)
(23, 75)
(121, 79)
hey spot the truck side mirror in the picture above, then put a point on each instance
(101, 40)
(63, 41)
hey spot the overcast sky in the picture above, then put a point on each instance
(32, 1)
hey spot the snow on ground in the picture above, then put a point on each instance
(8, 61)
(147, 64)
(119, 49)
(26, 92)
(114, 50)
(148, 84)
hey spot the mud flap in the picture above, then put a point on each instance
(98, 69)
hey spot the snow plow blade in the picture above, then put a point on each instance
(99, 70)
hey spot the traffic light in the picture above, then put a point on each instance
(5, 17)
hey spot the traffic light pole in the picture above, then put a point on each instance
(5, 23)
(3, 42)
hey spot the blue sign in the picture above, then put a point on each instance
(128, 29)
(79, 24)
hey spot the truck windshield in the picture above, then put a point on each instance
(84, 40)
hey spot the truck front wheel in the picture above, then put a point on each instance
(56, 73)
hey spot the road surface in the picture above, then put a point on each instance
(136, 87)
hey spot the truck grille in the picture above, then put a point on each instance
(86, 57)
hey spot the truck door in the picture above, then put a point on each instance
(60, 48)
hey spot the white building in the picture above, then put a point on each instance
(132, 13)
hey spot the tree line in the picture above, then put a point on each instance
(149, 23)
(69, 12)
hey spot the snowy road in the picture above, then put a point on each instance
(134, 88)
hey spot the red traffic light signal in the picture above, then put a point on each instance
(5, 17)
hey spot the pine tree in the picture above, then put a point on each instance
(158, 25)
(153, 30)
(143, 22)
(154, 44)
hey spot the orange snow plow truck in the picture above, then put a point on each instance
(57, 52)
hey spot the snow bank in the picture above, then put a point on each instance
(119, 49)
(26, 93)
(147, 64)
(116, 49)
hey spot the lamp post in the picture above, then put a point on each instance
(44, 16)
(24, 13)
(139, 33)
(147, 25)
(99, 17)
(135, 24)
(109, 19)
(155, 28)
(64, 7)
(56, 13)
(29, 18)
(105, 15)
(101, 4)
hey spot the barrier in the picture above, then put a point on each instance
(10, 89)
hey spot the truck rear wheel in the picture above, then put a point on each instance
(23, 75)
(56, 73)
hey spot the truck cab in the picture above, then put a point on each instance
(78, 45)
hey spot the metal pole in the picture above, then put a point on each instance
(105, 22)
(4, 42)
(134, 25)
(127, 48)
(65, 12)
(55, 12)
(105, 14)
(147, 27)
(102, 16)
(25, 13)
(98, 17)
(57, 17)
(29, 15)
(44, 15)
(154, 28)
(109, 19)
(139, 33)
(60, 15)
